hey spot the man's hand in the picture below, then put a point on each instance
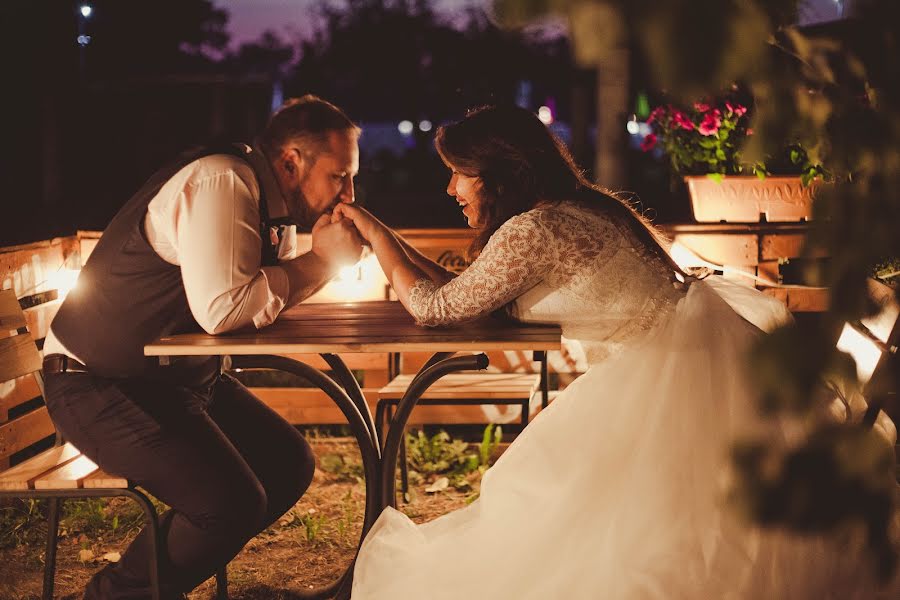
(338, 243)
(366, 223)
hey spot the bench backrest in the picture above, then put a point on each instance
(23, 418)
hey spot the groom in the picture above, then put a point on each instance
(201, 245)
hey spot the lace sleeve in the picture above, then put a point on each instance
(516, 258)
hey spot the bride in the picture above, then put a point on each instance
(616, 490)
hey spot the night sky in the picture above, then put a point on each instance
(249, 18)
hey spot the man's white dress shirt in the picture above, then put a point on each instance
(205, 219)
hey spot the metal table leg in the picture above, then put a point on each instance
(348, 400)
(345, 377)
(439, 365)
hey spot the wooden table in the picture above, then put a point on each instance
(330, 329)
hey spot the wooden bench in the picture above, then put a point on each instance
(59, 472)
(464, 389)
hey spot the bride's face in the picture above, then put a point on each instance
(468, 193)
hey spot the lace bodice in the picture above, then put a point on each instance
(582, 269)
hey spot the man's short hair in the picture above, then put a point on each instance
(304, 122)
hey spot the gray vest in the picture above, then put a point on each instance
(127, 296)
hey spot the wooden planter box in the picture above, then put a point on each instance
(748, 199)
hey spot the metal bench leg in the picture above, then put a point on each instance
(545, 378)
(222, 583)
(50, 554)
(404, 470)
(526, 412)
(151, 520)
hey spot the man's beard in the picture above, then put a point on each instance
(304, 216)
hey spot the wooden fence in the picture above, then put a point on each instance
(40, 272)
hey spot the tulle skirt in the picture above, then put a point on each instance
(616, 490)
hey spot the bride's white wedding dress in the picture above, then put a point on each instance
(614, 491)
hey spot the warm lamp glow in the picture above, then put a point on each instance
(63, 280)
(359, 282)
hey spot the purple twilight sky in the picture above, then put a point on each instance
(249, 18)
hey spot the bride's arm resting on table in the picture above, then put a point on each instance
(516, 258)
(435, 272)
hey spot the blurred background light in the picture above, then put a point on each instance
(545, 115)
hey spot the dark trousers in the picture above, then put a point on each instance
(226, 464)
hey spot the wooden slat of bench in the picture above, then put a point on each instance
(469, 385)
(11, 316)
(371, 360)
(102, 479)
(18, 356)
(310, 406)
(68, 476)
(22, 475)
(38, 318)
(306, 406)
(16, 391)
(799, 298)
(20, 433)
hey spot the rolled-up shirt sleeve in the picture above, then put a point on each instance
(217, 242)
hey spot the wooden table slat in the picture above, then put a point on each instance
(360, 327)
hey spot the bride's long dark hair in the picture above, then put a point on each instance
(521, 164)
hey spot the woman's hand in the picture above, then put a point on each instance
(368, 226)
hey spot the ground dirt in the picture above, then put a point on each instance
(307, 548)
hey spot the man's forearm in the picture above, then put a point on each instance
(307, 274)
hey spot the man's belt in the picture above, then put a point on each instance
(60, 363)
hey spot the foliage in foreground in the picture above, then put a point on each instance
(836, 91)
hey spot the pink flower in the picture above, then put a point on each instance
(657, 112)
(710, 123)
(681, 120)
(749, 131)
(701, 107)
(649, 142)
(737, 109)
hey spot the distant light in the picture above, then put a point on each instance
(86, 10)
(633, 126)
(83, 40)
(545, 115)
(405, 127)
(425, 125)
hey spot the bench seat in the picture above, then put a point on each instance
(457, 386)
(59, 468)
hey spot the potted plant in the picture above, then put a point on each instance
(703, 144)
